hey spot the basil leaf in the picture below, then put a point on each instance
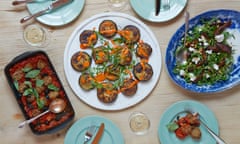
(15, 83)
(28, 83)
(39, 82)
(35, 93)
(172, 126)
(32, 74)
(28, 92)
(26, 69)
(53, 87)
(40, 103)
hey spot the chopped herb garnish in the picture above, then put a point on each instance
(39, 82)
(53, 87)
(15, 82)
(32, 73)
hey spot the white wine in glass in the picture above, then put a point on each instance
(117, 4)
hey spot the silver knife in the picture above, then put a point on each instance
(53, 6)
(157, 6)
(18, 2)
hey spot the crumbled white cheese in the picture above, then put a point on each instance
(191, 49)
(203, 38)
(206, 44)
(192, 77)
(184, 62)
(207, 76)
(195, 60)
(219, 38)
(209, 51)
(182, 72)
(215, 66)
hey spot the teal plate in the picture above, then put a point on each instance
(146, 9)
(177, 109)
(58, 17)
(111, 134)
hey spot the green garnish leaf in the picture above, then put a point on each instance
(28, 83)
(28, 91)
(26, 69)
(32, 73)
(53, 87)
(39, 82)
(40, 103)
(15, 83)
(172, 126)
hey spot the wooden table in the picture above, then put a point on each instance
(225, 105)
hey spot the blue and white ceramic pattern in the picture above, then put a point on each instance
(170, 59)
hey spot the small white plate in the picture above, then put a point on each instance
(58, 17)
(146, 9)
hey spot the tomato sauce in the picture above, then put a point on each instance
(33, 90)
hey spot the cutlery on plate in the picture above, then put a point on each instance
(51, 7)
(186, 26)
(18, 2)
(166, 5)
(157, 6)
(99, 134)
(89, 133)
(212, 133)
(181, 53)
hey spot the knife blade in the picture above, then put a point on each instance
(157, 6)
(55, 5)
(99, 134)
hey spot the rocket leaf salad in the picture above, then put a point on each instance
(207, 58)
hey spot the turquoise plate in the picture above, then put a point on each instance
(58, 17)
(146, 9)
(206, 115)
(111, 135)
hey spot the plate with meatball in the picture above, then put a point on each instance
(112, 61)
(189, 130)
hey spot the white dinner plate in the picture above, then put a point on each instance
(146, 9)
(144, 88)
(58, 17)
(177, 109)
(111, 133)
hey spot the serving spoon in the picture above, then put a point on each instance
(180, 56)
(56, 106)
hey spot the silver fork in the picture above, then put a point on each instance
(166, 5)
(89, 133)
(212, 133)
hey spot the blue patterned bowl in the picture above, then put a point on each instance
(170, 59)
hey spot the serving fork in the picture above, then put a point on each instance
(89, 133)
(211, 132)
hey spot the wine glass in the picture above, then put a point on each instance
(139, 123)
(117, 4)
(36, 36)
